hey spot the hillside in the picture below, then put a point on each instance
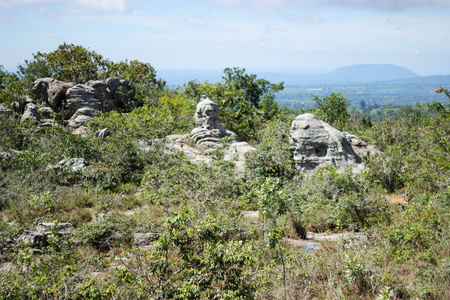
(165, 194)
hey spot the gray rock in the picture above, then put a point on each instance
(316, 143)
(103, 94)
(51, 92)
(361, 148)
(78, 121)
(236, 151)
(30, 113)
(81, 96)
(73, 164)
(144, 238)
(38, 238)
(46, 112)
(81, 116)
(209, 130)
(102, 133)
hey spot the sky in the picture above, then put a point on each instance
(309, 36)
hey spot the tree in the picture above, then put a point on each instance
(253, 90)
(71, 63)
(244, 100)
(333, 109)
(143, 77)
(11, 88)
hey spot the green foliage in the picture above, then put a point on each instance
(70, 63)
(333, 109)
(143, 77)
(105, 232)
(273, 156)
(201, 245)
(11, 87)
(252, 89)
(245, 102)
(176, 269)
(328, 200)
(172, 114)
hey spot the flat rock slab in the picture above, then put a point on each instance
(250, 214)
(313, 240)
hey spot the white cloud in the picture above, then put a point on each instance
(107, 5)
(271, 5)
(389, 4)
(98, 5)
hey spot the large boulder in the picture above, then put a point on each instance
(209, 130)
(315, 143)
(81, 116)
(51, 92)
(103, 94)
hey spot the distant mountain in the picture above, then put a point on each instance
(345, 75)
(369, 73)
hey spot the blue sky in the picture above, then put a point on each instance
(294, 35)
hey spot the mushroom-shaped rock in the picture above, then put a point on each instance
(209, 130)
(316, 143)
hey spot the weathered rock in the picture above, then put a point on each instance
(103, 94)
(47, 123)
(81, 116)
(204, 140)
(19, 105)
(236, 151)
(45, 112)
(361, 148)
(209, 130)
(30, 113)
(38, 238)
(102, 133)
(81, 96)
(144, 238)
(316, 143)
(51, 92)
(73, 164)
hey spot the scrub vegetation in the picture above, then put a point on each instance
(201, 244)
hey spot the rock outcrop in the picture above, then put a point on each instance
(204, 140)
(80, 101)
(72, 165)
(209, 130)
(315, 143)
(38, 237)
(30, 113)
(51, 92)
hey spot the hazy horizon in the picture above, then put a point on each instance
(303, 35)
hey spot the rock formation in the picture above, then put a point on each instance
(206, 138)
(51, 92)
(30, 113)
(38, 238)
(80, 101)
(209, 130)
(315, 143)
